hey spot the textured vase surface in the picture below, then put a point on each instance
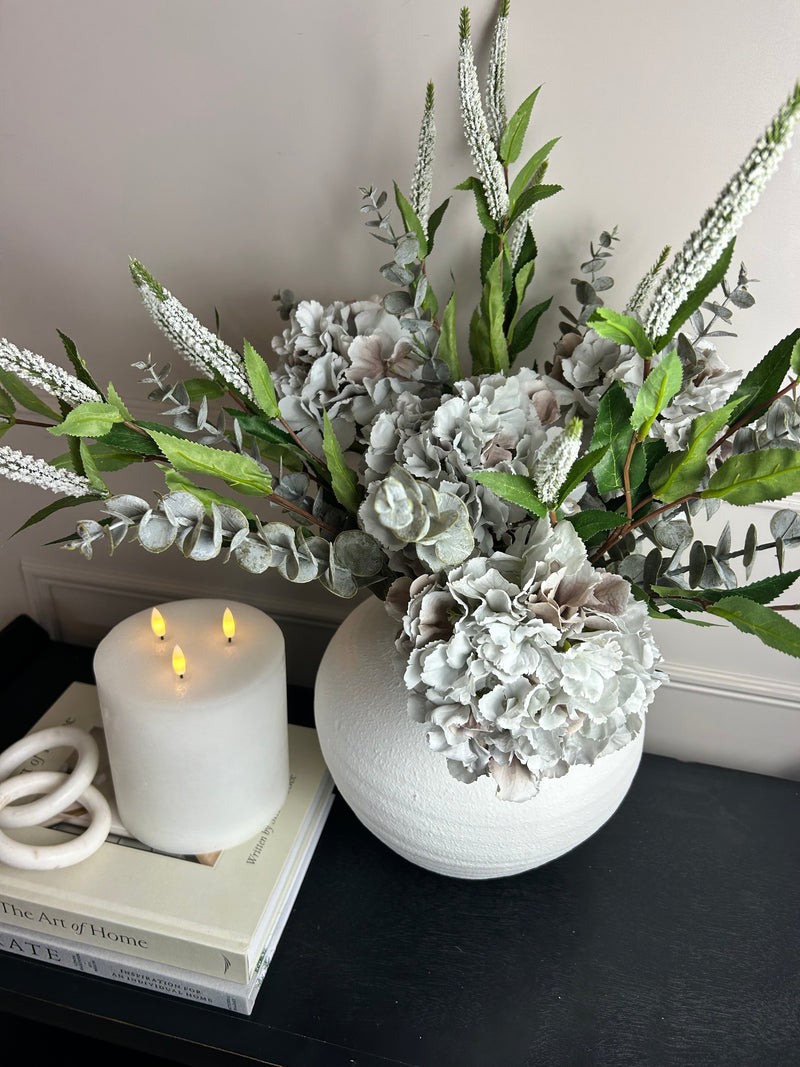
(404, 794)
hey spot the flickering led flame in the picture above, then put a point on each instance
(158, 624)
(178, 661)
(228, 624)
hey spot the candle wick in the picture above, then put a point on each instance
(161, 638)
(229, 640)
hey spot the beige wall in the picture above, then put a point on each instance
(223, 145)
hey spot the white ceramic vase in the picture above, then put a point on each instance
(402, 791)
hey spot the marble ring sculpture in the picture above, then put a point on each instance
(59, 791)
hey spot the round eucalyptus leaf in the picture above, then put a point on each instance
(397, 302)
(156, 533)
(253, 555)
(697, 564)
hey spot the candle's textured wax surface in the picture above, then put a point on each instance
(198, 763)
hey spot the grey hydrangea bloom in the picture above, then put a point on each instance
(350, 360)
(523, 664)
(490, 422)
(592, 363)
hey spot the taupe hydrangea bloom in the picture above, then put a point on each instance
(525, 663)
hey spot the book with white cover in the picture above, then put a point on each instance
(174, 981)
(211, 915)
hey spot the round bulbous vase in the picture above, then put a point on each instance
(403, 792)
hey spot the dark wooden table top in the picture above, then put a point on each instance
(670, 937)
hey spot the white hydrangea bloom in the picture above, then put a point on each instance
(350, 360)
(42, 374)
(19, 467)
(489, 422)
(525, 663)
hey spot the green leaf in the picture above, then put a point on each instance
(448, 351)
(578, 472)
(612, 431)
(343, 479)
(704, 287)
(116, 401)
(516, 128)
(526, 328)
(514, 487)
(680, 473)
(481, 203)
(240, 472)
(794, 358)
(593, 521)
(91, 471)
(763, 591)
(78, 362)
(755, 476)
(104, 457)
(197, 388)
(56, 505)
(434, 221)
(92, 419)
(261, 382)
(527, 172)
(658, 388)
(623, 329)
(530, 197)
(24, 396)
(499, 274)
(207, 497)
(7, 405)
(765, 379)
(125, 439)
(410, 221)
(753, 618)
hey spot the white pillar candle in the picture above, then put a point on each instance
(198, 763)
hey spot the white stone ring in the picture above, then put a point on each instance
(68, 791)
(53, 857)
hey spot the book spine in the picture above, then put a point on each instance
(119, 968)
(91, 931)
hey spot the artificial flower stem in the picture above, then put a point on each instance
(626, 470)
(289, 506)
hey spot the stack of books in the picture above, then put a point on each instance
(199, 927)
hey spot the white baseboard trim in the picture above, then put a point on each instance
(705, 715)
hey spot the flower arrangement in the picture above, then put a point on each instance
(522, 523)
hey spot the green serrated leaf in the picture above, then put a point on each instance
(240, 472)
(529, 197)
(78, 362)
(680, 473)
(56, 505)
(434, 222)
(448, 351)
(794, 358)
(116, 401)
(514, 487)
(612, 431)
(763, 591)
(343, 479)
(481, 203)
(105, 457)
(623, 329)
(516, 128)
(761, 383)
(753, 618)
(411, 222)
(706, 285)
(658, 388)
(92, 419)
(526, 328)
(579, 471)
(527, 172)
(197, 388)
(594, 521)
(177, 482)
(91, 471)
(7, 405)
(751, 477)
(26, 397)
(261, 382)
